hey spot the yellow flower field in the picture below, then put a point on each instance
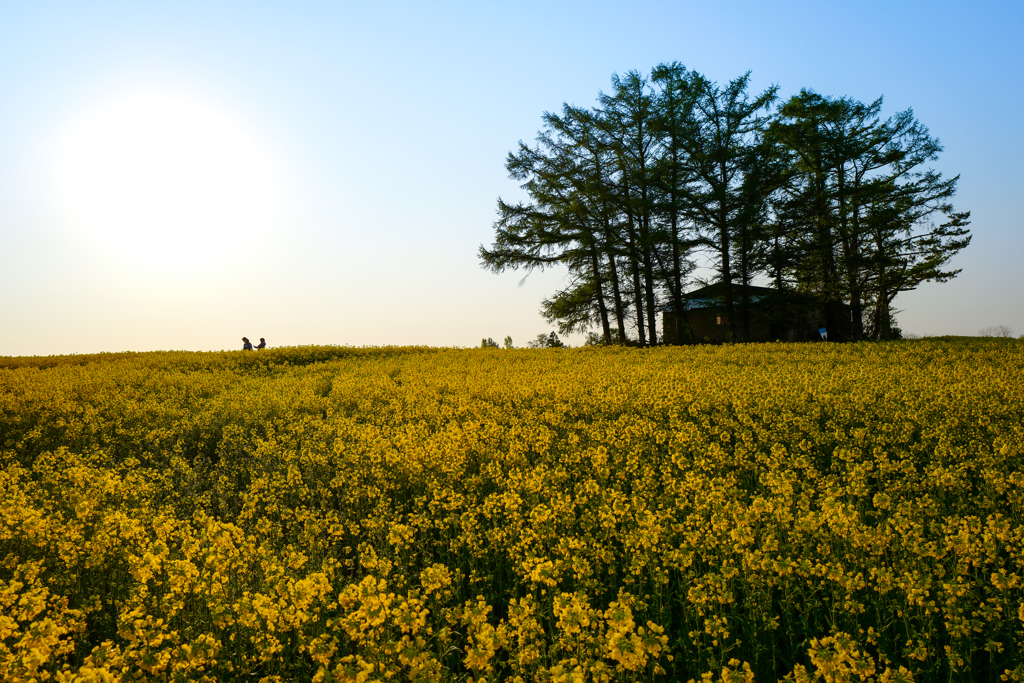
(812, 512)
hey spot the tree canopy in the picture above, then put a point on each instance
(819, 196)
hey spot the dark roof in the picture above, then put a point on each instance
(718, 290)
(713, 295)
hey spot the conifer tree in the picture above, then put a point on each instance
(864, 208)
(721, 138)
(823, 197)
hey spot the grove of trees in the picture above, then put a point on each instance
(819, 196)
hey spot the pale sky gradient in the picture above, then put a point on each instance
(386, 127)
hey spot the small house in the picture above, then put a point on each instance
(762, 314)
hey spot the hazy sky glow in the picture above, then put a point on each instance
(163, 179)
(176, 175)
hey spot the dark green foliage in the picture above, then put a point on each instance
(822, 197)
(546, 341)
(859, 211)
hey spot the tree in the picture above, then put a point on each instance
(1003, 331)
(676, 234)
(824, 197)
(565, 221)
(719, 136)
(627, 119)
(592, 182)
(863, 208)
(546, 341)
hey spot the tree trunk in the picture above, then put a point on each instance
(745, 281)
(725, 243)
(730, 302)
(601, 307)
(645, 240)
(620, 319)
(613, 273)
(638, 291)
(634, 264)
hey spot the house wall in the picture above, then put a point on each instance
(704, 327)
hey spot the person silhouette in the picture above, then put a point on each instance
(246, 344)
(262, 344)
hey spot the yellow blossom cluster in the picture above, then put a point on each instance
(800, 512)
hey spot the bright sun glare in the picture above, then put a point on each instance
(165, 178)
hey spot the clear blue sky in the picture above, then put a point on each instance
(387, 124)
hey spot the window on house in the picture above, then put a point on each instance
(719, 320)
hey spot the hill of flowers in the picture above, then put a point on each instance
(808, 512)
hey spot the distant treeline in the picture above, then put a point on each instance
(821, 196)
